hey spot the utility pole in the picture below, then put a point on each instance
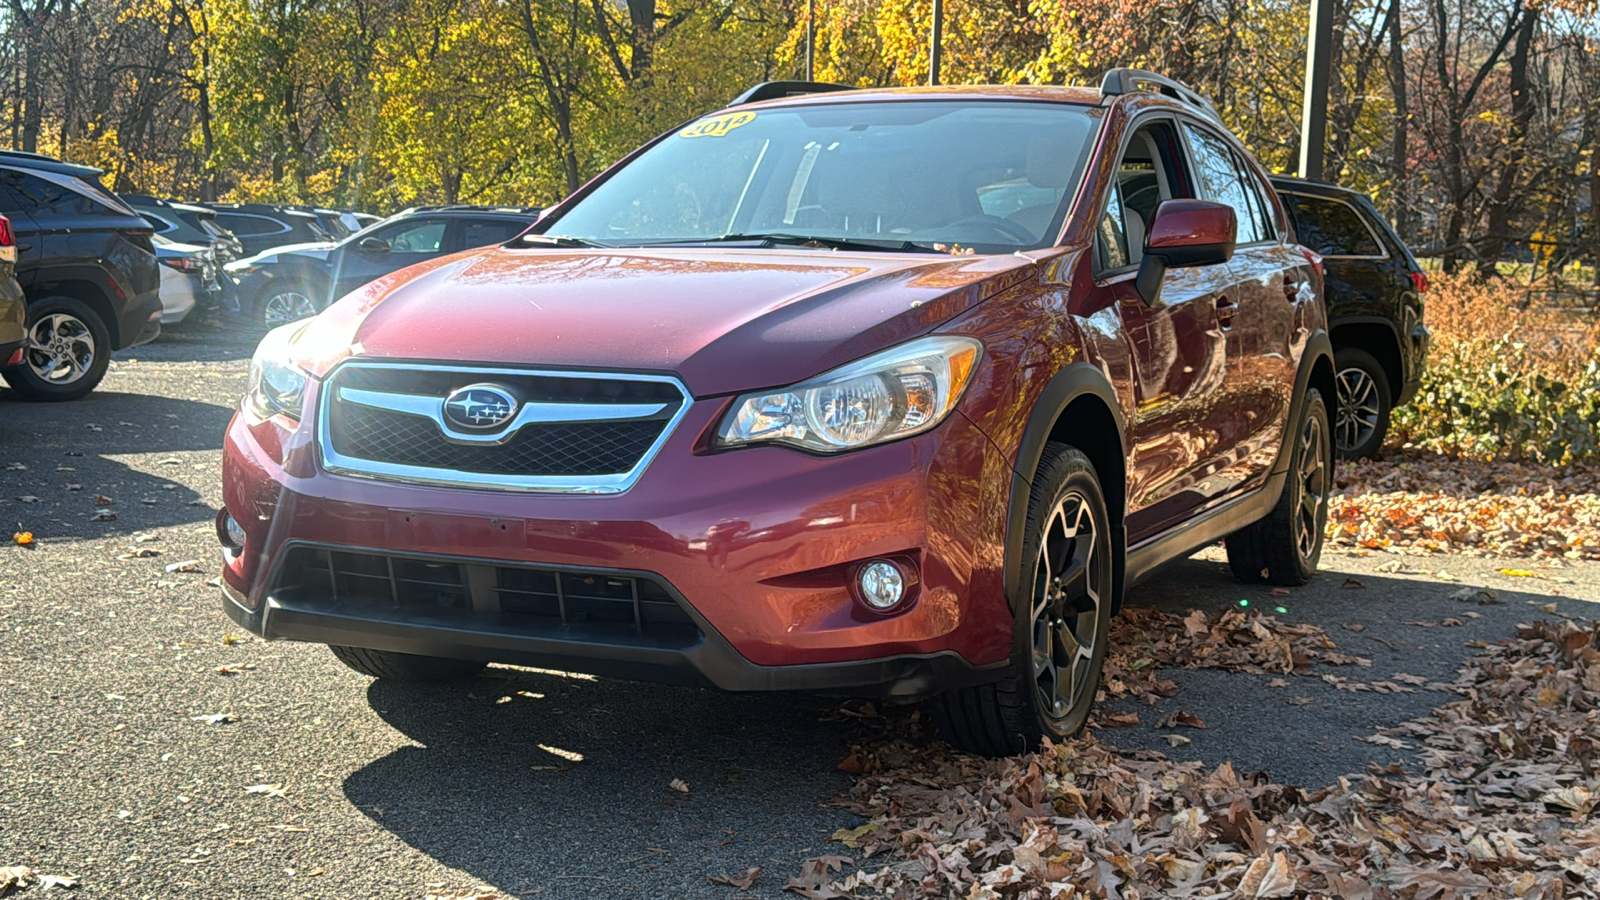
(811, 40)
(938, 35)
(1314, 108)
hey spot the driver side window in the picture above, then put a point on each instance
(416, 237)
(1150, 171)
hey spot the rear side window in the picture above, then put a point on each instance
(483, 232)
(48, 200)
(161, 226)
(1224, 179)
(248, 225)
(1331, 227)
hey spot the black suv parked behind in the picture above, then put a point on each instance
(187, 223)
(87, 267)
(262, 226)
(290, 283)
(1374, 293)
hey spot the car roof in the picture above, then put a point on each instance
(1296, 184)
(24, 160)
(1083, 96)
(510, 212)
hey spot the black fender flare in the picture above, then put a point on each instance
(1318, 346)
(1075, 380)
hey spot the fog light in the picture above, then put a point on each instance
(229, 531)
(882, 585)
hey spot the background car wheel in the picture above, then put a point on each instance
(66, 352)
(282, 303)
(1062, 624)
(1362, 419)
(1284, 548)
(404, 666)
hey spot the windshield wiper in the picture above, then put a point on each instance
(561, 240)
(834, 243)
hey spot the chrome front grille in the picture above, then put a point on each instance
(563, 431)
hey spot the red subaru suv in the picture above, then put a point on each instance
(884, 392)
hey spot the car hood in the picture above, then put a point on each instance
(316, 250)
(723, 320)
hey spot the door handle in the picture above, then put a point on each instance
(1225, 310)
(24, 248)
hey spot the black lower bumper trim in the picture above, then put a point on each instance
(711, 663)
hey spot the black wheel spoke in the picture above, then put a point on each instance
(1066, 606)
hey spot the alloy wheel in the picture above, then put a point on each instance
(1066, 607)
(60, 348)
(1358, 408)
(285, 307)
(1314, 484)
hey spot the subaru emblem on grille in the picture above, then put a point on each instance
(479, 407)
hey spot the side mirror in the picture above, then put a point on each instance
(374, 245)
(1182, 234)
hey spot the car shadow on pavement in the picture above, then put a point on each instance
(577, 787)
(58, 459)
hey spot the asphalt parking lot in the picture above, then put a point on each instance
(135, 720)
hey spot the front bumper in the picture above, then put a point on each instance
(756, 546)
(710, 662)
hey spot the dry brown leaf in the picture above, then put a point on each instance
(743, 881)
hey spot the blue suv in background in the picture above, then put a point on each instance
(287, 283)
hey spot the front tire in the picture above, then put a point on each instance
(1364, 404)
(1285, 547)
(405, 666)
(64, 354)
(1062, 622)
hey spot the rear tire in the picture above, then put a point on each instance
(1062, 621)
(405, 666)
(65, 354)
(1285, 547)
(1362, 419)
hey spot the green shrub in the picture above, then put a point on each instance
(1496, 400)
(1503, 382)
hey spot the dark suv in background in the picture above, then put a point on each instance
(187, 223)
(1374, 294)
(262, 226)
(293, 282)
(87, 266)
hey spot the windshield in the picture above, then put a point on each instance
(990, 176)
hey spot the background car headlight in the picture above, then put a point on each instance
(887, 396)
(275, 385)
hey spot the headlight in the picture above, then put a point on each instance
(275, 385)
(890, 395)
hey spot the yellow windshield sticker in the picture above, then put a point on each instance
(717, 126)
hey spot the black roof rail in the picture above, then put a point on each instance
(774, 90)
(48, 163)
(1126, 81)
(26, 154)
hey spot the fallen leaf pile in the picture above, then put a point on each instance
(1425, 503)
(1504, 808)
(15, 878)
(1144, 640)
